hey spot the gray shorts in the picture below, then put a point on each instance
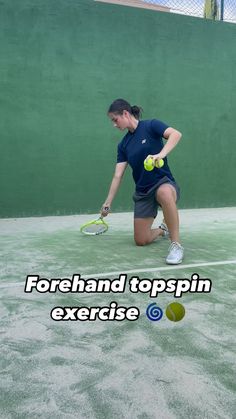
(146, 205)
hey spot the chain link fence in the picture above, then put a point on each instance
(210, 9)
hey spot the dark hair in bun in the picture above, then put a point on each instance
(120, 105)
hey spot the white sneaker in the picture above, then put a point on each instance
(175, 255)
(165, 230)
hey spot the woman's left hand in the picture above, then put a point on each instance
(156, 157)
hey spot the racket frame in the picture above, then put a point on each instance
(98, 221)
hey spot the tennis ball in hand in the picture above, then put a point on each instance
(159, 163)
(175, 312)
(148, 164)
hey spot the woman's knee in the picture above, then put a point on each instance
(166, 193)
(142, 231)
(141, 241)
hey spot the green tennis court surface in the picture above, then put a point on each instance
(103, 369)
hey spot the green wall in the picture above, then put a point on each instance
(62, 64)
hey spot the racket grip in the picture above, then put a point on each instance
(105, 211)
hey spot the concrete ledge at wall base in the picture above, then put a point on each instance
(137, 3)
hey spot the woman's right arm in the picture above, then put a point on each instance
(119, 171)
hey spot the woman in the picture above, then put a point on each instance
(153, 188)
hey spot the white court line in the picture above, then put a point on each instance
(108, 274)
(163, 268)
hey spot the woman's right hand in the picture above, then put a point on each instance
(105, 209)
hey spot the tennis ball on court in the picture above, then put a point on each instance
(148, 164)
(175, 312)
(160, 163)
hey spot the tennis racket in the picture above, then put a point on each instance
(95, 227)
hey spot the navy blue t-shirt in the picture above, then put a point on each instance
(137, 145)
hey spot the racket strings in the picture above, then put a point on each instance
(95, 228)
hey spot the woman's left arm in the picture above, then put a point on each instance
(172, 136)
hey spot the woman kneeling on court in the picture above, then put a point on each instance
(153, 188)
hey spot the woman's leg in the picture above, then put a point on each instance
(143, 233)
(166, 196)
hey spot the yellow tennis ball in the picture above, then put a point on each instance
(148, 164)
(160, 163)
(175, 312)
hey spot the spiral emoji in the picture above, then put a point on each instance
(154, 313)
